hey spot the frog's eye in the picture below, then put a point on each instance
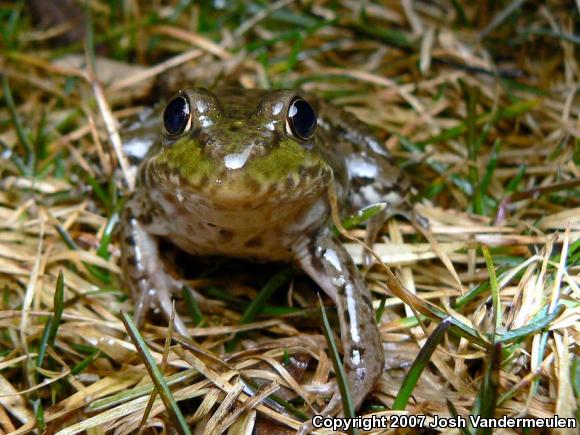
(301, 119)
(177, 116)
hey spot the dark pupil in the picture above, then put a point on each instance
(302, 119)
(176, 115)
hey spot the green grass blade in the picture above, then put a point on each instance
(189, 375)
(66, 238)
(485, 403)
(381, 309)
(103, 249)
(58, 308)
(44, 342)
(471, 98)
(287, 406)
(81, 366)
(192, 306)
(494, 290)
(39, 415)
(454, 414)
(20, 133)
(508, 112)
(539, 322)
(261, 299)
(419, 364)
(490, 167)
(266, 293)
(99, 191)
(156, 376)
(362, 215)
(101, 275)
(575, 375)
(480, 288)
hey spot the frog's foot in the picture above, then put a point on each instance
(328, 263)
(155, 293)
(151, 284)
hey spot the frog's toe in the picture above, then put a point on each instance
(167, 307)
(162, 287)
(142, 304)
(155, 294)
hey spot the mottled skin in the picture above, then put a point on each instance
(239, 183)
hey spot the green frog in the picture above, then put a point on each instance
(247, 173)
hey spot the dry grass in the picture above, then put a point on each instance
(479, 104)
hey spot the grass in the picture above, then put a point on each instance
(478, 316)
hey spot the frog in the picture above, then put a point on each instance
(251, 174)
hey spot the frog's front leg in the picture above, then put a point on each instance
(151, 284)
(329, 264)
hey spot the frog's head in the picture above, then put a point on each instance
(239, 148)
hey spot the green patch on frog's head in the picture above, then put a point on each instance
(233, 150)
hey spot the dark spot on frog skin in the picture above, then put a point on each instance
(145, 219)
(313, 171)
(131, 261)
(162, 170)
(255, 242)
(127, 214)
(346, 315)
(274, 140)
(290, 183)
(226, 235)
(272, 188)
(303, 173)
(170, 198)
(142, 177)
(367, 299)
(203, 181)
(252, 184)
(204, 139)
(130, 240)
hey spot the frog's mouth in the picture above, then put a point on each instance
(285, 174)
(240, 208)
(239, 190)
